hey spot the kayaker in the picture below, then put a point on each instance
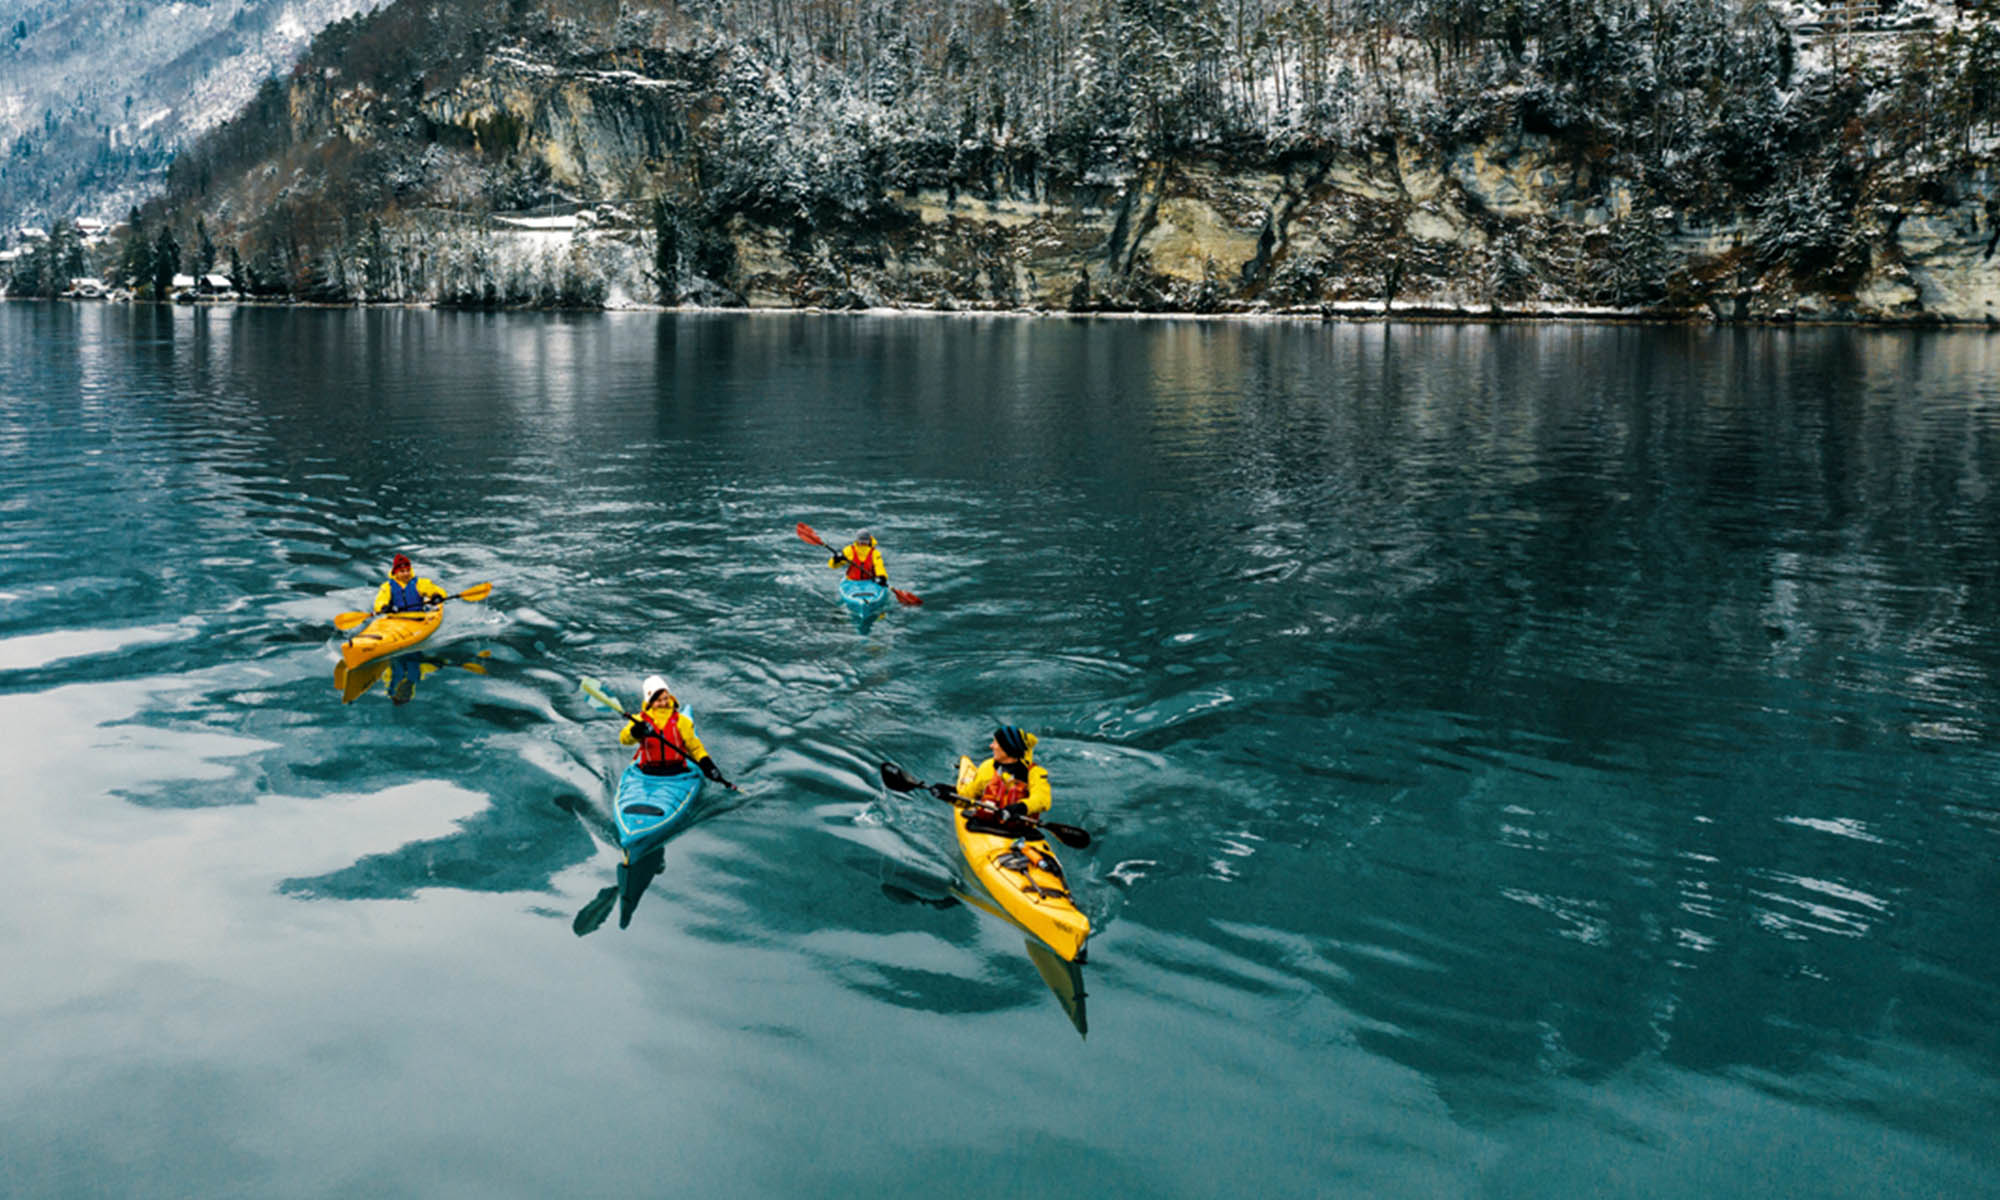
(863, 559)
(405, 591)
(1009, 784)
(665, 736)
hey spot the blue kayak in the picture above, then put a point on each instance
(649, 807)
(863, 597)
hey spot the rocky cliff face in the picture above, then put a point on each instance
(1937, 258)
(1491, 229)
(1511, 224)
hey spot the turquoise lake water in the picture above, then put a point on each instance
(1520, 761)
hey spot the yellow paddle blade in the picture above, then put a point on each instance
(478, 591)
(594, 688)
(351, 620)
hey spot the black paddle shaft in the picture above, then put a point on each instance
(899, 780)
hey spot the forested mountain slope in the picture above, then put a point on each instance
(1672, 155)
(96, 95)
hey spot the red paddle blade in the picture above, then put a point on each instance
(909, 598)
(806, 534)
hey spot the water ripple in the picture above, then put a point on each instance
(1555, 736)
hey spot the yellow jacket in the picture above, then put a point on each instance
(425, 588)
(973, 785)
(658, 717)
(864, 558)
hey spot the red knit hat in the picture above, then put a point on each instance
(399, 563)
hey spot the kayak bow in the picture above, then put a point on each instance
(863, 597)
(390, 633)
(648, 808)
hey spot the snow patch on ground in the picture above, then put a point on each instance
(564, 224)
(533, 240)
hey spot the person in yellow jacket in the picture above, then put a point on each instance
(404, 591)
(1007, 784)
(665, 736)
(863, 559)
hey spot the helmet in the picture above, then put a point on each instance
(1012, 740)
(653, 686)
(864, 536)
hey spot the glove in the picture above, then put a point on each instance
(640, 728)
(881, 581)
(839, 560)
(709, 769)
(944, 791)
(1015, 811)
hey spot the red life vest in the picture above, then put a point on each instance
(861, 562)
(666, 754)
(1003, 789)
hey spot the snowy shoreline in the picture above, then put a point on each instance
(1350, 313)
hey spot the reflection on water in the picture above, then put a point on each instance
(633, 877)
(903, 885)
(1564, 735)
(402, 673)
(864, 619)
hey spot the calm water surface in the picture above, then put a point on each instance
(1549, 761)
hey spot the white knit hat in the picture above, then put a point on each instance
(654, 684)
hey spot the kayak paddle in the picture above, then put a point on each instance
(355, 620)
(594, 688)
(811, 538)
(900, 780)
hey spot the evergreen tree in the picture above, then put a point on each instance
(68, 253)
(29, 274)
(204, 255)
(1633, 264)
(54, 251)
(1977, 96)
(42, 271)
(136, 262)
(166, 263)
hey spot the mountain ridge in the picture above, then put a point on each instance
(97, 96)
(1698, 158)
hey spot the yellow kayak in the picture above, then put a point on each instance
(388, 634)
(1022, 874)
